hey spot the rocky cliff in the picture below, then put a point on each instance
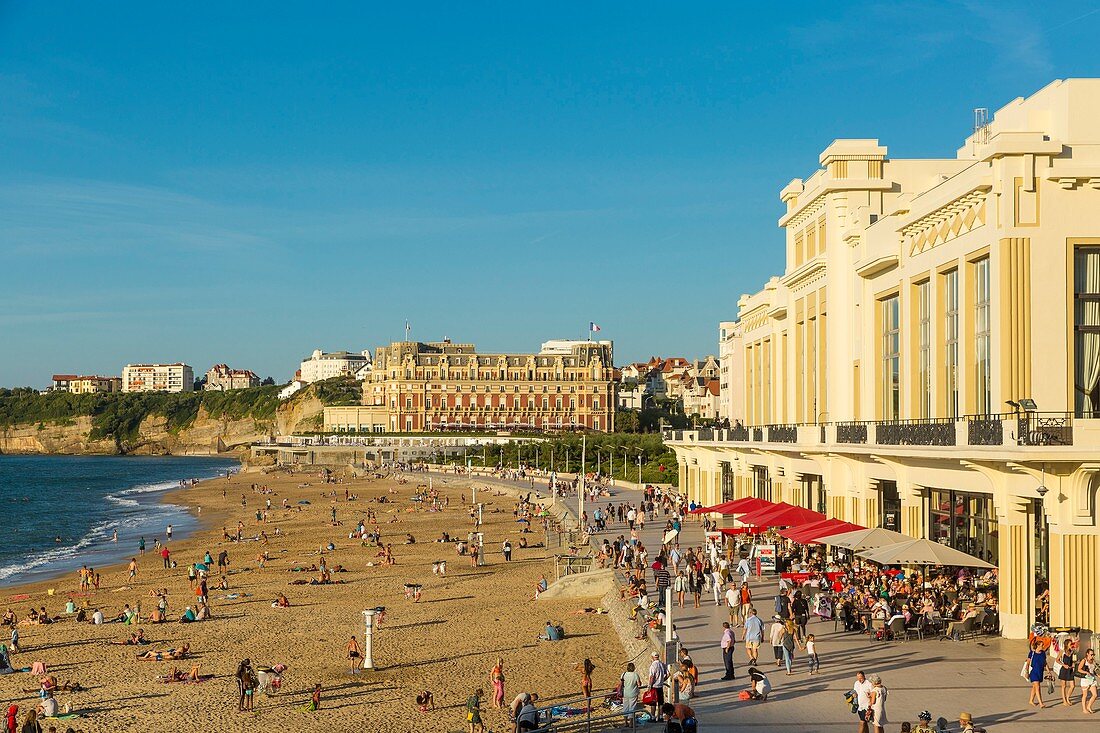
(202, 435)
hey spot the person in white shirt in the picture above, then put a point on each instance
(743, 568)
(97, 617)
(733, 602)
(862, 687)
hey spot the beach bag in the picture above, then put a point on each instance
(744, 695)
(1025, 671)
(649, 697)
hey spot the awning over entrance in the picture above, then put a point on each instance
(782, 515)
(806, 533)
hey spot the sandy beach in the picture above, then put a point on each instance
(447, 642)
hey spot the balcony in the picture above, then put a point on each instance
(978, 431)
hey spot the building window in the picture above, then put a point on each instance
(983, 380)
(891, 359)
(924, 347)
(951, 341)
(964, 521)
(761, 483)
(889, 506)
(1086, 331)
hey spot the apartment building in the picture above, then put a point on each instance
(443, 386)
(176, 377)
(326, 365)
(929, 360)
(220, 378)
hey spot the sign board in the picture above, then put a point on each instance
(765, 558)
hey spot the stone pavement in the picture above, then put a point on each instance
(980, 676)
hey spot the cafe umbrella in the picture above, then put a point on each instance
(866, 539)
(922, 552)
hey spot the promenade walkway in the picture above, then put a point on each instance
(980, 676)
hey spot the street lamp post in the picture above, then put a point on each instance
(639, 465)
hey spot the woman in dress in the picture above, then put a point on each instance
(1037, 667)
(496, 677)
(631, 686)
(1067, 665)
(878, 704)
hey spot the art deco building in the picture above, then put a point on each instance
(929, 360)
(443, 386)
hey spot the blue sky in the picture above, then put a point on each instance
(203, 183)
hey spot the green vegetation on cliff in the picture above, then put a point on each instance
(119, 416)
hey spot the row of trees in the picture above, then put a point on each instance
(619, 455)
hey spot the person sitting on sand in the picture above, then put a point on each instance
(9, 619)
(553, 632)
(281, 601)
(203, 614)
(541, 586)
(188, 616)
(425, 701)
(409, 539)
(136, 638)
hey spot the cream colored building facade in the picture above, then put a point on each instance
(444, 386)
(158, 378)
(731, 380)
(920, 298)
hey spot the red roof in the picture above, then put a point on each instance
(783, 515)
(64, 377)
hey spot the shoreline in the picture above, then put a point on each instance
(170, 496)
(447, 642)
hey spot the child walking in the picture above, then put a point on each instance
(811, 654)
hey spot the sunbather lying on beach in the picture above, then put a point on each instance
(178, 675)
(156, 655)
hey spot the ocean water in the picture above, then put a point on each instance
(60, 512)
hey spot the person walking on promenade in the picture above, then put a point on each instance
(680, 585)
(754, 636)
(732, 601)
(727, 643)
(1035, 668)
(878, 704)
(1087, 669)
(658, 675)
(695, 581)
(745, 596)
(862, 688)
(743, 568)
(1067, 667)
(787, 642)
(811, 654)
(966, 723)
(775, 635)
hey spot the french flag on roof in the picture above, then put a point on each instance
(593, 327)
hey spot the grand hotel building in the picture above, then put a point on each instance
(890, 370)
(444, 386)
